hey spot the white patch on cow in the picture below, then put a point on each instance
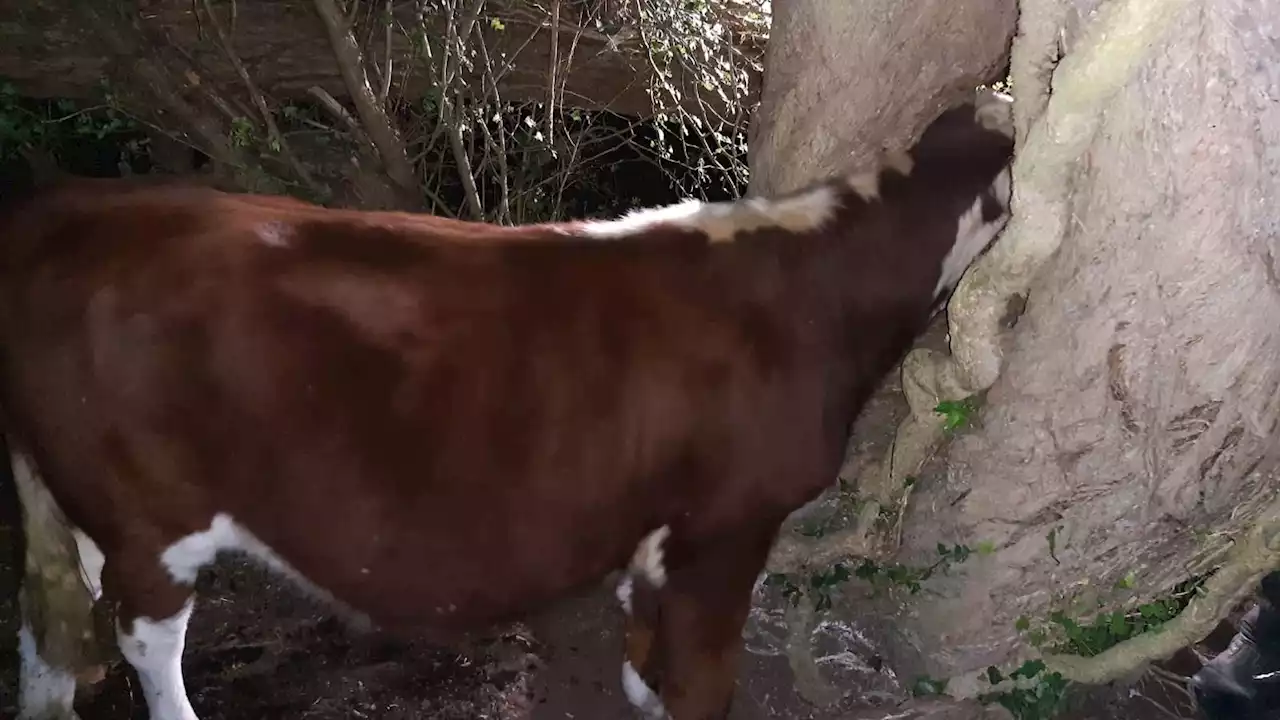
(624, 593)
(154, 649)
(900, 161)
(640, 695)
(647, 561)
(973, 235)
(91, 562)
(43, 690)
(275, 234)
(866, 184)
(185, 557)
(995, 111)
(721, 222)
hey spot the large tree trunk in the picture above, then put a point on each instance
(843, 77)
(1129, 439)
(1136, 417)
(841, 80)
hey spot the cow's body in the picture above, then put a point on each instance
(442, 424)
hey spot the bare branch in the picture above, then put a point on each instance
(335, 108)
(372, 114)
(451, 115)
(259, 101)
(500, 149)
(387, 61)
(553, 63)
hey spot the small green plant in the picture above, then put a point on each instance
(925, 686)
(817, 586)
(1110, 629)
(957, 414)
(26, 123)
(1040, 700)
(912, 577)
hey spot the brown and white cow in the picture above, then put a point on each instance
(442, 425)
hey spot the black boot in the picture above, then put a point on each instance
(1243, 682)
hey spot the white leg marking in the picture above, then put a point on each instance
(43, 691)
(640, 695)
(867, 184)
(91, 562)
(648, 557)
(624, 593)
(720, 222)
(973, 235)
(154, 649)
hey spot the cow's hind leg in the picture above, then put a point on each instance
(689, 604)
(639, 592)
(153, 609)
(57, 643)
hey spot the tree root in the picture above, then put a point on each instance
(1257, 554)
(801, 619)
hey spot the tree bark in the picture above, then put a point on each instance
(1137, 412)
(841, 78)
(1129, 442)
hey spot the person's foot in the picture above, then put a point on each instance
(1243, 681)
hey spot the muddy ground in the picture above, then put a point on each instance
(258, 649)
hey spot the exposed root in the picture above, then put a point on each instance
(810, 685)
(1034, 55)
(1253, 556)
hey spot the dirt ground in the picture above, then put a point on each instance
(259, 650)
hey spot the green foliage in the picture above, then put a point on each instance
(242, 132)
(925, 686)
(1110, 629)
(1038, 700)
(55, 124)
(1043, 699)
(819, 585)
(910, 577)
(957, 414)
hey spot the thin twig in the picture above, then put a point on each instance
(372, 114)
(387, 60)
(500, 147)
(452, 113)
(259, 101)
(335, 108)
(553, 62)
